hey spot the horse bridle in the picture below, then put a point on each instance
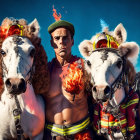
(119, 83)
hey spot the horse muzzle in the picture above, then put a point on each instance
(15, 86)
(101, 93)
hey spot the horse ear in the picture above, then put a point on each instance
(129, 49)
(85, 48)
(120, 33)
(34, 27)
(6, 22)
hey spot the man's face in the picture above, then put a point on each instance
(62, 42)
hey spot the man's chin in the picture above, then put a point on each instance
(62, 54)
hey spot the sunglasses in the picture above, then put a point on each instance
(15, 29)
(105, 41)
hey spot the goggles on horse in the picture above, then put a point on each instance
(105, 41)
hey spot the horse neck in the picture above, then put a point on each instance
(28, 99)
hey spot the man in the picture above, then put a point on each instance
(66, 116)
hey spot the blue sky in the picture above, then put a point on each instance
(84, 14)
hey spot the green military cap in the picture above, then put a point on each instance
(61, 23)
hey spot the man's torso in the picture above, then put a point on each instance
(60, 107)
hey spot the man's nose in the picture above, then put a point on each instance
(61, 40)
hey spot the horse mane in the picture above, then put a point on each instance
(131, 74)
(40, 80)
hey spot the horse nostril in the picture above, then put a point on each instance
(94, 89)
(14, 87)
(107, 90)
(22, 85)
(8, 83)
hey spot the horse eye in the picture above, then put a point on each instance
(119, 64)
(32, 53)
(3, 53)
(88, 63)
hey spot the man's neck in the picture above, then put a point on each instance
(62, 61)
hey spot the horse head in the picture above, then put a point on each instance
(17, 62)
(21, 55)
(106, 61)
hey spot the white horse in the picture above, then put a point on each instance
(110, 71)
(18, 95)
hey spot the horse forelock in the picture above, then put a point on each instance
(104, 55)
